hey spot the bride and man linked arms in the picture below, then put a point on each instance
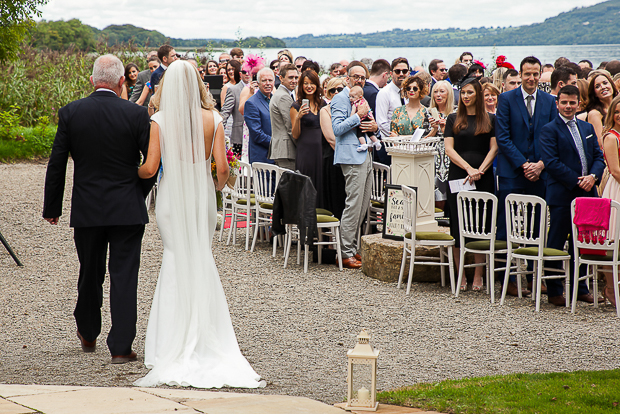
(190, 339)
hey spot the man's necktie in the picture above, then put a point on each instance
(530, 108)
(572, 127)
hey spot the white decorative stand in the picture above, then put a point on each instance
(413, 164)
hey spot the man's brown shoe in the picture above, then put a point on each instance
(351, 263)
(543, 288)
(121, 359)
(588, 298)
(87, 346)
(358, 257)
(557, 300)
(513, 290)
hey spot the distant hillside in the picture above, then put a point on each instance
(598, 24)
(59, 35)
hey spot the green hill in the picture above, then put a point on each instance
(596, 24)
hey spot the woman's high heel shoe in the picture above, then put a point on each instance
(463, 287)
(608, 293)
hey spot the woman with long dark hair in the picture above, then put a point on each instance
(131, 76)
(601, 92)
(306, 130)
(470, 143)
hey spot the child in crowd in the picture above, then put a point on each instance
(356, 96)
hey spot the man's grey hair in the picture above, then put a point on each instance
(264, 70)
(107, 71)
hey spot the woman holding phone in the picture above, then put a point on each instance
(307, 132)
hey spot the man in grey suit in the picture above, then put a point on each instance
(231, 107)
(143, 78)
(356, 166)
(283, 148)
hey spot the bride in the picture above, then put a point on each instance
(190, 339)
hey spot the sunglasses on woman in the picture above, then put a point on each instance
(334, 90)
(413, 89)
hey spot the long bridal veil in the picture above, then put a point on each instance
(190, 339)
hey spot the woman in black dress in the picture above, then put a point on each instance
(307, 130)
(470, 143)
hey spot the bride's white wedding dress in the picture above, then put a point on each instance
(190, 339)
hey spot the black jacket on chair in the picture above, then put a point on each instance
(295, 203)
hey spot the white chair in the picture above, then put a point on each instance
(380, 177)
(607, 242)
(327, 226)
(265, 179)
(475, 209)
(242, 200)
(522, 213)
(413, 238)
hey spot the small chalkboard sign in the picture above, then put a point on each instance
(394, 212)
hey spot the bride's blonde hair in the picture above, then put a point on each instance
(206, 99)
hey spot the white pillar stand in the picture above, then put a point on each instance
(415, 167)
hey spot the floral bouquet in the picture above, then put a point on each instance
(233, 165)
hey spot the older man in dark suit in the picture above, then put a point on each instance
(104, 136)
(256, 115)
(574, 164)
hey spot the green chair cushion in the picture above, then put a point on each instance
(438, 210)
(229, 196)
(607, 258)
(377, 204)
(485, 245)
(267, 206)
(432, 235)
(244, 201)
(547, 251)
(320, 218)
(324, 212)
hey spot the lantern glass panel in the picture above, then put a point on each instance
(362, 381)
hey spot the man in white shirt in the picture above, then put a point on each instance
(388, 98)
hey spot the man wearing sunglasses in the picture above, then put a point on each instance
(356, 166)
(167, 55)
(224, 59)
(438, 71)
(388, 98)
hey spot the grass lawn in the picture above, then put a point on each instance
(575, 392)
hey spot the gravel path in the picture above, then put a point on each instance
(294, 328)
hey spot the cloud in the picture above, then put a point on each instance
(199, 19)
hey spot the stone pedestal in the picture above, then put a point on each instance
(418, 170)
(381, 259)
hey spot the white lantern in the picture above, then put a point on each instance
(362, 375)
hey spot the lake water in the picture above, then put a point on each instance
(423, 55)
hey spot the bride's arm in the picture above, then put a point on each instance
(151, 165)
(219, 154)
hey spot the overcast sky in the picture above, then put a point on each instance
(190, 19)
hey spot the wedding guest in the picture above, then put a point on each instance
(230, 107)
(562, 76)
(306, 130)
(426, 101)
(498, 77)
(309, 64)
(222, 71)
(144, 77)
(212, 67)
(166, 55)
(202, 71)
(476, 70)
(379, 74)
(224, 59)
(388, 98)
(561, 61)
(616, 80)
(491, 93)
(411, 116)
(233, 76)
(611, 148)
(601, 92)
(237, 54)
(585, 64)
(335, 69)
(512, 80)
(442, 98)
(437, 69)
(131, 75)
(470, 143)
(283, 149)
(285, 56)
(613, 67)
(257, 118)
(456, 74)
(466, 59)
(582, 85)
(299, 62)
(275, 67)
(334, 192)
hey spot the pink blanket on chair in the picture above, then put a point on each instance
(592, 221)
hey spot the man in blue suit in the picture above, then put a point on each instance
(574, 164)
(356, 166)
(256, 115)
(521, 115)
(167, 55)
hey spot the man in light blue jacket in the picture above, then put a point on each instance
(356, 166)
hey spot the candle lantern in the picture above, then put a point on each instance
(362, 375)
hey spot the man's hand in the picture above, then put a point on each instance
(369, 126)
(52, 220)
(532, 170)
(363, 110)
(587, 182)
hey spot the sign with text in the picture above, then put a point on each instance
(394, 212)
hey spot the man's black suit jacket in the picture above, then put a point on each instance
(105, 136)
